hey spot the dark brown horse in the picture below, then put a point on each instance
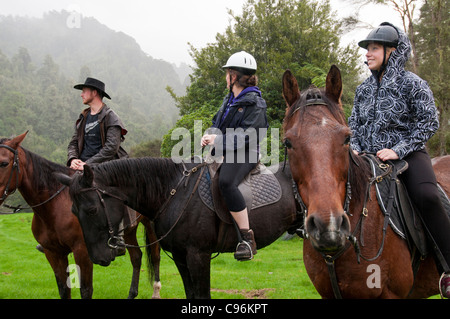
(54, 226)
(165, 192)
(318, 138)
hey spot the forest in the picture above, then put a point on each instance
(41, 59)
(305, 37)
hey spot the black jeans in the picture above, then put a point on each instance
(232, 173)
(420, 182)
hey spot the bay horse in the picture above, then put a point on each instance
(54, 226)
(165, 192)
(332, 184)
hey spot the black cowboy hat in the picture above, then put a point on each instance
(93, 84)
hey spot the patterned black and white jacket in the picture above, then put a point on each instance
(397, 113)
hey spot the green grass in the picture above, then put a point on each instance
(277, 271)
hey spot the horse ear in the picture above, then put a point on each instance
(88, 176)
(291, 92)
(334, 84)
(63, 178)
(15, 142)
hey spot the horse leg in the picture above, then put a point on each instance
(59, 265)
(199, 265)
(86, 266)
(154, 257)
(180, 262)
(136, 260)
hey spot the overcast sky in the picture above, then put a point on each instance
(163, 28)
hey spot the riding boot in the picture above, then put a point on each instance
(121, 250)
(247, 247)
(444, 285)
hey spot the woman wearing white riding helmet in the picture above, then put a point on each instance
(242, 114)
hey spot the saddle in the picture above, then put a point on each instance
(260, 188)
(404, 217)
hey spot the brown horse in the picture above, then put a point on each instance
(54, 226)
(332, 185)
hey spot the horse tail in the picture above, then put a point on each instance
(153, 251)
(149, 258)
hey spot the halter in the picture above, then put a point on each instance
(15, 169)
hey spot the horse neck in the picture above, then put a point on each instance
(31, 186)
(146, 195)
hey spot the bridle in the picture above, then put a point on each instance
(330, 259)
(14, 171)
(115, 241)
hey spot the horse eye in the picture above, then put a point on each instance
(3, 164)
(91, 211)
(347, 140)
(287, 143)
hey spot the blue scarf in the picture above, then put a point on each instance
(232, 100)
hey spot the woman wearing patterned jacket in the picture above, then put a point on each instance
(394, 115)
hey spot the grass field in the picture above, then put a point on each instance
(277, 272)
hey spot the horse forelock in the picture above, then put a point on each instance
(311, 94)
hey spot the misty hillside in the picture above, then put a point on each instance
(42, 58)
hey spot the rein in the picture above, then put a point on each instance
(6, 193)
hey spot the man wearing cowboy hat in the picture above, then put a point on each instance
(98, 130)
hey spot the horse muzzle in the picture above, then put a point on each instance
(328, 235)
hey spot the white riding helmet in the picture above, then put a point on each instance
(242, 62)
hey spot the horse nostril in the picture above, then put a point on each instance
(314, 224)
(345, 224)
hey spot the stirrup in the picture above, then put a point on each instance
(440, 285)
(249, 248)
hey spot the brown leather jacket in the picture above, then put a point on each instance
(112, 133)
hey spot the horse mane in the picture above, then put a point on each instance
(314, 93)
(43, 170)
(152, 177)
(359, 176)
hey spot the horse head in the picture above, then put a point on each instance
(10, 172)
(317, 141)
(99, 211)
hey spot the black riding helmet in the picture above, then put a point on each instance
(385, 34)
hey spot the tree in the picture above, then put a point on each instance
(433, 47)
(303, 36)
(406, 10)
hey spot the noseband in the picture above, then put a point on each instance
(15, 169)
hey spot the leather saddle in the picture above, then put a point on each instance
(259, 188)
(404, 217)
